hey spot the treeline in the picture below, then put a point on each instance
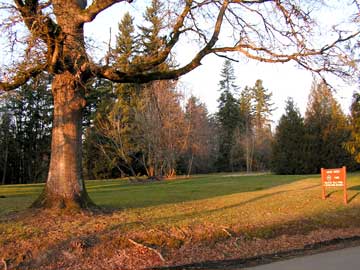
(152, 130)
(325, 137)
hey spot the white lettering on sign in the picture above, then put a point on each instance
(334, 184)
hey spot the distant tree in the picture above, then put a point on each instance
(327, 131)
(6, 140)
(101, 102)
(262, 111)
(247, 137)
(288, 144)
(161, 126)
(26, 127)
(126, 43)
(353, 145)
(228, 116)
(197, 137)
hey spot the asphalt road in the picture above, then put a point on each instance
(344, 259)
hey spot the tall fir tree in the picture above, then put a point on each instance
(126, 44)
(151, 41)
(288, 144)
(228, 115)
(263, 107)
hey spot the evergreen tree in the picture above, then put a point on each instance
(26, 132)
(228, 116)
(262, 107)
(126, 43)
(353, 145)
(151, 40)
(288, 145)
(6, 143)
(327, 131)
(262, 111)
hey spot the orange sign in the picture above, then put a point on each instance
(334, 178)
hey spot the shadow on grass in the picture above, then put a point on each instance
(154, 194)
(355, 195)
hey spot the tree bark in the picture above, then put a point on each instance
(65, 185)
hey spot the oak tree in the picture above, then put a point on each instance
(48, 36)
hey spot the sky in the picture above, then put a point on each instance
(283, 80)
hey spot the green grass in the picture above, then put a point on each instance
(121, 194)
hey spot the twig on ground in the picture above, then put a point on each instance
(227, 232)
(149, 248)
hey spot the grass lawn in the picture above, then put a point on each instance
(210, 217)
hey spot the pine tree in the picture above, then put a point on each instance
(228, 116)
(288, 145)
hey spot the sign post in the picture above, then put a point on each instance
(333, 178)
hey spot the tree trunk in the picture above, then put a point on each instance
(5, 163)
(65, 185)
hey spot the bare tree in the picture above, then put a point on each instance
(264, 30)
(160, 133)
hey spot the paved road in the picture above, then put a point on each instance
(344, 259)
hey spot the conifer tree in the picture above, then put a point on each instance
(327, 131)
(26, 132)
(228, 116)
(262, 111)
(353, 145)
(288, 145)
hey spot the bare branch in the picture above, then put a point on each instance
(21, 78)
(96, 7)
